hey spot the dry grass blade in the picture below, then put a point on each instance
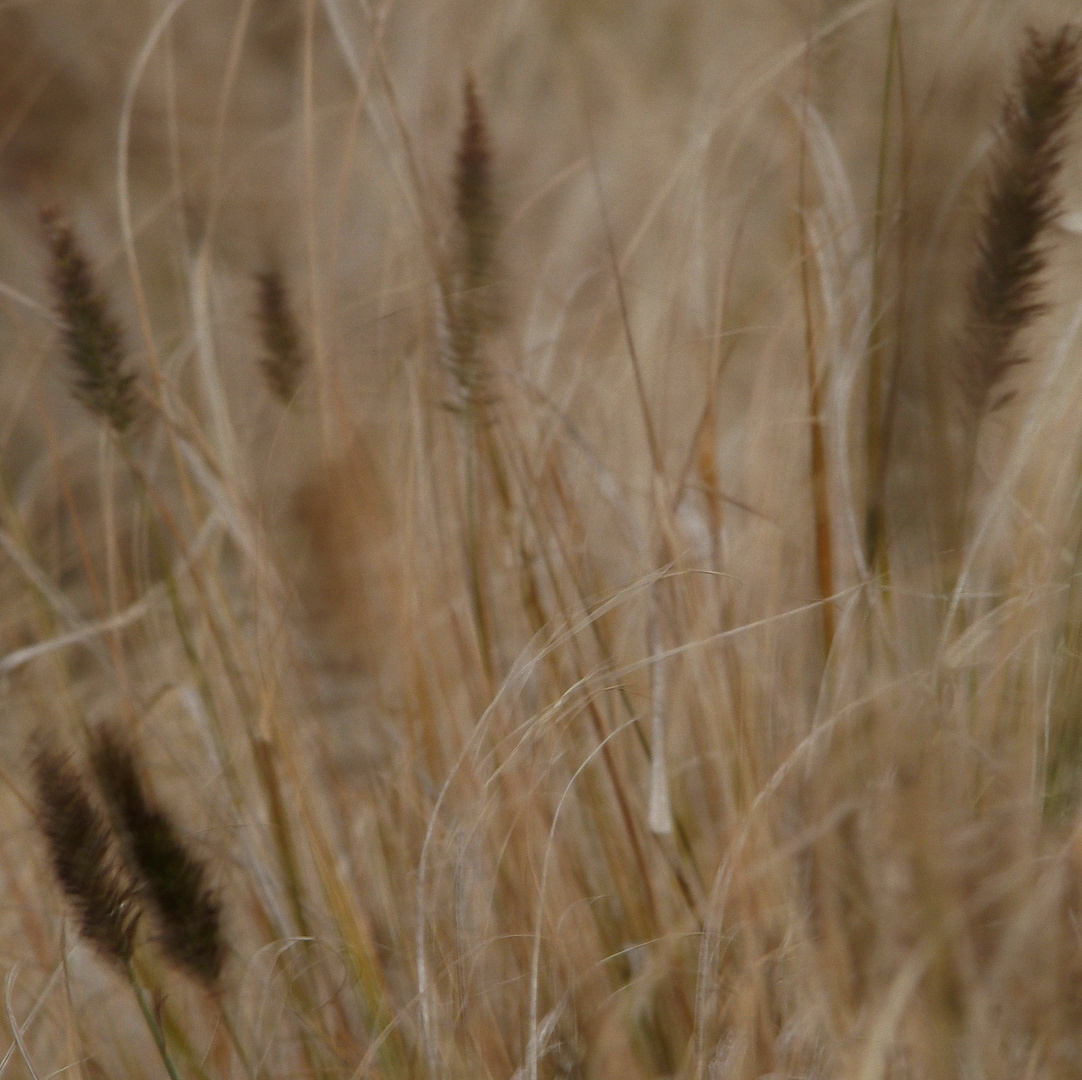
(1020, 203)
(93, 342)
(187, 910)
(820, 485)
(81, 851)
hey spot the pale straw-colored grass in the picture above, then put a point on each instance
(536, 704)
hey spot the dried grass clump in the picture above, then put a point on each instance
(531, 759)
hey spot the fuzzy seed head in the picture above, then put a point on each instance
(283, 358)
(187, 911)
(1020, 203)
(81, 851)
(474, 203)
(93, 344)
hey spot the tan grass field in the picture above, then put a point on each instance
(540, 539)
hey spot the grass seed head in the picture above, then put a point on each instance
(93, 342)
(474, 202)
(81, 851)
(187, 911)
(283, 358)
(1020, 202)
(471, 307)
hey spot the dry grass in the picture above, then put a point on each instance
(526, 547)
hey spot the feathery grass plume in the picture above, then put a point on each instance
(474, 203)
(1020, 203)
(475, 211)
(467, 309)
(283, 357)
(81, 849)
(92, 338)
(187, 910)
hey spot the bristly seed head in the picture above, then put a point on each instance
(92, 338)
(470, 309)
(83, 858)
(283, 359)
(187, 910)
(474, 203)
(1020, 204)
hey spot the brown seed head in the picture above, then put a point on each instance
(81, 850)
(474, 203)
(283, 357)
(1020, 203)
(92, 339)
(186, 909)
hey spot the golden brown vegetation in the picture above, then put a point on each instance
(529, 549)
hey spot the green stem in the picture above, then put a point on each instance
(153, 1026)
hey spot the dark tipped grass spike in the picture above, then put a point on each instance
(471, 308)
(81, 851)
(283, 359)
(1020, 202)
(93, 343)
(187, 911)
(474, 202)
